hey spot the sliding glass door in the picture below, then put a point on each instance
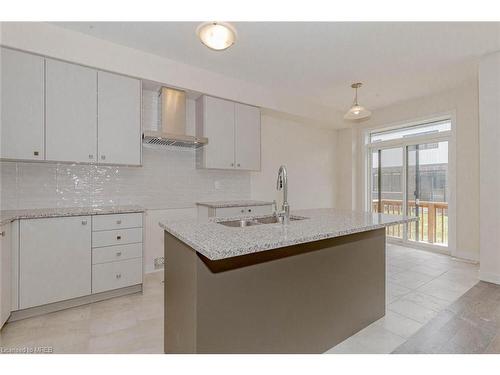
(408, 174)
(427, 192)
(387, 185)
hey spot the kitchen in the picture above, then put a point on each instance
(122, 168)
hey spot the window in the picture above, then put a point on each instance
(411, 131)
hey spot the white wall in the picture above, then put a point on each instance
(309, 155)
(463, 103)
(489, 94)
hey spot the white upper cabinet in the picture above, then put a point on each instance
(233, 132)
(247, 137)
(215, 120)
(119, 119)
(71, 112)
(22, 87)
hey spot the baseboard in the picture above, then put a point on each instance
(489, 277)
(148, 271)
(62, 305)
(465, 254)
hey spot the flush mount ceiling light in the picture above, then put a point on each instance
(216, 35)
(357, 112)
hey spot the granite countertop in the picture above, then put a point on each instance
(216, 241)
(242, 203)
(6, 216)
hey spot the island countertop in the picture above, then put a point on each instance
(216, 241)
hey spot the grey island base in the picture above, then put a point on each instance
(300, 298)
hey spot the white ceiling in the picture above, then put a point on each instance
(395, 61)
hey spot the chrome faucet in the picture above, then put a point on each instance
(282, 185)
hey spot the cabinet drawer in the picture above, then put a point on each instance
(243, 211)
(116, 253)
(119, 221)
(116, 237)
(114, 275)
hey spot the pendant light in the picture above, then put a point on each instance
(357, 112)
(217, 35)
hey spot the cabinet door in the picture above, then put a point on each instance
(5, 274)
(119, 119)
(247, 137)
(218, 123)
(55, 260)
(22, 85)
(71, 112)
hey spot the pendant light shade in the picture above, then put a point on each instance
(357, 112)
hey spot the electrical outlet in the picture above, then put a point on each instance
(159, 262)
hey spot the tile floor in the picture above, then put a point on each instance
(470, 325)
(419, 285)
(128, 324)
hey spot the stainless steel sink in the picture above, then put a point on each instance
(240, 223)
(257, 221)
(275, 220)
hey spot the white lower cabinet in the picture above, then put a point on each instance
(114, 275)
(242, 211)
(205, 212)
(5, 273)
(64, 258)
(116, 252)
(116, 237)
(54, 260)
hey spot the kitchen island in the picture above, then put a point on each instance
(272, 288)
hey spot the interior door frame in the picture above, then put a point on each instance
(448, 136)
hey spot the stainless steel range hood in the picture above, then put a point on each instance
(171, 129)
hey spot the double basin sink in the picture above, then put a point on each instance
(257, 221)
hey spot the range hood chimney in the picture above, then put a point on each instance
(172, 122)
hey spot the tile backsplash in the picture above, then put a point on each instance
(168, 179)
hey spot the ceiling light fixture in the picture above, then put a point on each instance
(357, 112)
(216, 35)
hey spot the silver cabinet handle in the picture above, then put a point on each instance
(119, 254)
(238, 164)
(91, 156)
(118, 221)
(118, 275)
(232, 164)
(84, 222)
(103, 157)
(2, 233)
(242, 211)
